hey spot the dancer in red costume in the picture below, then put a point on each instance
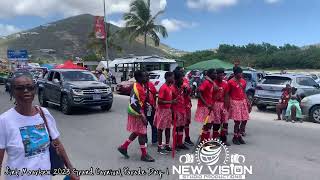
(205, 103)
(239, 106)
(163, 117)
(137, 121)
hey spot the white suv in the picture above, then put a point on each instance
(157, 78)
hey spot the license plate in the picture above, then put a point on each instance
(96, 97)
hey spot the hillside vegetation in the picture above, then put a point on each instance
(262, 55)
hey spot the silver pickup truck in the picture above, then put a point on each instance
(69, 88)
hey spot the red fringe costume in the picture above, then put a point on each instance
(206, 89)
(163, 116)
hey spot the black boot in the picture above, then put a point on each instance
(188, 141)
(235, 140)
(182, 147)
(147, 158)
(224, 140)
(241, 141)
(123, 152)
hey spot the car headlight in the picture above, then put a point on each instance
(305, 100)
(109, 90)
(77, 92)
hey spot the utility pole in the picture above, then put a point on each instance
(106, 31)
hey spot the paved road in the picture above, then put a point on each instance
(276, 150)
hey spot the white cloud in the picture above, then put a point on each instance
(173, 25)
(212, 5)
(67, 8)
(119, 23)
(272, 1)
(6, 29)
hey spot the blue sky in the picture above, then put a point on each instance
(192, 24)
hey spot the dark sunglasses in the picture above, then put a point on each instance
(23, 88)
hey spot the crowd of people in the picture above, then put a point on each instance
(219, 100)
(106, 76)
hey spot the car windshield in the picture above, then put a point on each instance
(315, 77)
(78, 76)
(277, 80)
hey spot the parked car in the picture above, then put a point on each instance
(269, 91)
(252, 78)
(157, 78)
(310, 106)
(69, 88)
(125, 87)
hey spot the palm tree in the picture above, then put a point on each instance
(140, 22)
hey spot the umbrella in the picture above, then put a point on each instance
(215, 63)
(68, 65)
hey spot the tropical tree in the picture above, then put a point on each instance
(140, 22)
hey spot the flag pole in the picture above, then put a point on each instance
(106, 31)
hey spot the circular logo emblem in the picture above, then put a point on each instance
(211, 152)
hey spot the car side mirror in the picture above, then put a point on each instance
(317, 86)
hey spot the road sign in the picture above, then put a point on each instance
(21, 55)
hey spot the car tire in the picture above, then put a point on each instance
(262, 107)
(65, 105)
(42, 99)
(106, 107)
(315, 114)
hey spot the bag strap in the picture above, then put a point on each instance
(44, 118)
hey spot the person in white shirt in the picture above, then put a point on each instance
(24, 134)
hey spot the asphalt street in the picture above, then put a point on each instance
(276, 149)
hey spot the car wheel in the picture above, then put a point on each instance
(262, 107)
(42, 99)
(315, 114)
(65, 105)
(106, 107)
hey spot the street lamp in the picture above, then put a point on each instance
(106, 30)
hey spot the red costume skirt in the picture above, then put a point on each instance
(220, 113)
(181, 119)
(135, 125)
(239, 110)
(202, 113)
(163, 118)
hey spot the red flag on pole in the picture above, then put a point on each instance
(99, 28)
